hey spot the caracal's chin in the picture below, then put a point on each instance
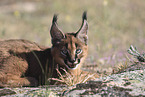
(72, 67)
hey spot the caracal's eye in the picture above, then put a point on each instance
(78, 51)
(64, 52)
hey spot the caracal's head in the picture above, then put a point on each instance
(69, 50)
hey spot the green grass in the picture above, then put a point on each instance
(113, 25)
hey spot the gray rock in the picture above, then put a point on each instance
(127, 84)
(4, 92)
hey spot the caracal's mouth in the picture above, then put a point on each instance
(70, 65)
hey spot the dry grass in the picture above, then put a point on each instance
(71, 79)
(120, 67)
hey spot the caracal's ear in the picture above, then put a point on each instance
(56, 33)
(82, 32)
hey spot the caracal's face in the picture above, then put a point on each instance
(69, 50)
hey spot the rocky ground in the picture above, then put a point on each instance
(129, 83)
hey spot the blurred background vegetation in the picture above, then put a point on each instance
(113, 25)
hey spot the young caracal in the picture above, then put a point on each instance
(25, 63)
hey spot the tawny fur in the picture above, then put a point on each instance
(25, 63)
(18, 65)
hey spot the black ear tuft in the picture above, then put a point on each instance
(55, 32)
(54, 18)
(82, 32)
(84, 15)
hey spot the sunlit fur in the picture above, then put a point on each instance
(25, 63)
